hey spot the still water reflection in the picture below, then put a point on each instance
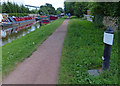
(18, 34)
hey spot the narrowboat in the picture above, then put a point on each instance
(45, 21)
(52, 18)
(15, 24)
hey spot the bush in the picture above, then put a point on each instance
(98, 20)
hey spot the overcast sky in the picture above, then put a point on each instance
(55, 3)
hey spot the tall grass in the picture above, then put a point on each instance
(82, 50)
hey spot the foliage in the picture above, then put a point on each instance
(58, 12)
(98, 20)
(43, 10)
(82, 50)
(97, 8)
(34, 11)
(8, 7)
(79, 9)
(118, 22)
(0, 8)
(69, 7)
(105, 8)
(101, 8)
(76, 8)
(21, 48)
(47, 9)
(60, 9)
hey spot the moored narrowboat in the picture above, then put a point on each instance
(15, 24)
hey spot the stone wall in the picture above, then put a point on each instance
(111, 22)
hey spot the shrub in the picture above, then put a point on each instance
(98, 20)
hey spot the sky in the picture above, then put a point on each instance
(55, 3)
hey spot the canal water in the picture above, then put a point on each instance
(18, 34)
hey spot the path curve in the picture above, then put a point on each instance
(43, 66)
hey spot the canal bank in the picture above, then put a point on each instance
(43, 65)
(12, 36)
(19, 49)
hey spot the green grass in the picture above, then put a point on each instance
(19, 49)
(83, 50)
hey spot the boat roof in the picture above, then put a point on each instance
(43, 16)
(4, 14)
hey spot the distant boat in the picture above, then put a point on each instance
(53, 18)
(45, 21)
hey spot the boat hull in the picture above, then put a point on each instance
(8, 28)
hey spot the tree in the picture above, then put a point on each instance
(58, 12)
(75, 8)
(0, 8)
(106, 8)
(4, 7)
(34, 11)
(97, 8)
(69, 7)
(47, 9)
(60, 9)
(50, 8)
(43, 10)
(13, 8)
(80, 8)
(48, 5)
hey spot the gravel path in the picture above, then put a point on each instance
(43, 66)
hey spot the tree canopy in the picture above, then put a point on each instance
(60, 9)
(102, 8)
(14, 8)
(47, 9)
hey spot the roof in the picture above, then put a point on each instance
(43, 16)
(4, 14)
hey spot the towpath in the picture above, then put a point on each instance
(43, 66)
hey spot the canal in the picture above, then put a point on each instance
(17, 34)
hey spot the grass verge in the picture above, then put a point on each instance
(19, 49)
(83, 50)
